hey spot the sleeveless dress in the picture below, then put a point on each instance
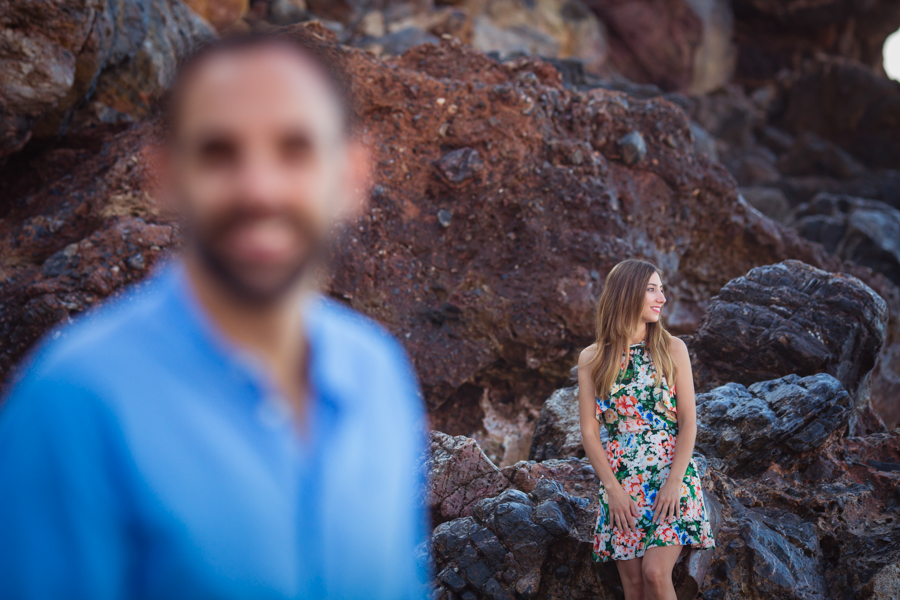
(642, 426)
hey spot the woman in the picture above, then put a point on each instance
(651, 503)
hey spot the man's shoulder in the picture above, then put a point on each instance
(100, 337)
(351, 342)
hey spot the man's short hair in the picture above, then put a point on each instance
(328, 66)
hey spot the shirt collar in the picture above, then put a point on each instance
(324, 379)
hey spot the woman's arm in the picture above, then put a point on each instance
(668, 500)
(621, 505)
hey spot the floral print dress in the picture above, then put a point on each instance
(642, 426)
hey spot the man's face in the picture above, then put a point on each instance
(261, 168)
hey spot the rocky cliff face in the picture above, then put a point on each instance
(501, 199)
(506, 187)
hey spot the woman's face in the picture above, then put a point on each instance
(653, 299)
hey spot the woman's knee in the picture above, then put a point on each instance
(630, 574)
(654, 574)
(632, 580)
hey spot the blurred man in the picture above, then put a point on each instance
(230, 433)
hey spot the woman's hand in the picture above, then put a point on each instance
(622, 509)
(668, 500)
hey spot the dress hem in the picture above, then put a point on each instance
(609, 558)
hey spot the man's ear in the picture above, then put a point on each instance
(359, 180)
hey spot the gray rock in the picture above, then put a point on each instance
(783, 551)
(789, 318)
(775, 421)
(459, 165)
(866, 232)
(286, 12)
(460, 476)
(558, 430)
(533, 539)
(452, 580)
(549, 516)
(445, 217)
(633, 147)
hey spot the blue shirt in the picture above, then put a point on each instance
(142, 456)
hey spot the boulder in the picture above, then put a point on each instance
(58, 53)
(771, 551)
(460, 476)
(558, 430)
(800, 510)
(779, 421)
(820, 528)
(866, 232)
(789, 318)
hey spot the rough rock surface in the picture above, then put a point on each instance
(460, 476)
(549, 28)
(79, 239)
(779, 421)
(791, 318)
(823, 128)
(558, 430)
(823, 529)
(748, 428)
(475, 161)
(866, 232)
(56, 54)
(480, 316)
(532, 537)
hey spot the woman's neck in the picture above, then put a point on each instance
(639, 334)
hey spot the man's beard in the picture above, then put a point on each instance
(233, 278)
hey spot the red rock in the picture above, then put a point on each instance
(459, 476)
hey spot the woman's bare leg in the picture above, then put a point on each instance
(632, 578)
(656, 568)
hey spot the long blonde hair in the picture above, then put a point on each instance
(619, 312)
